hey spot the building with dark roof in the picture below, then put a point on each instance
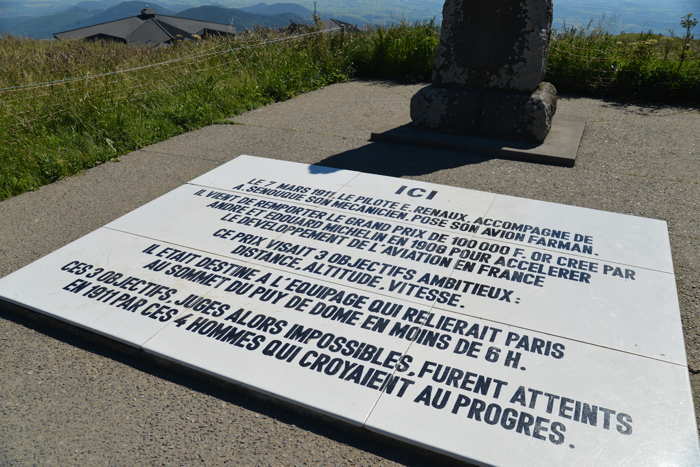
(148, 28)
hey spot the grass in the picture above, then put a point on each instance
(402, 53)
(642, 66)
(47, 133)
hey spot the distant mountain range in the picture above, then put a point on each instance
(122, 10)
(243, 19)
(44, 26)
(87, 13)
(278, 9)
(41, 18)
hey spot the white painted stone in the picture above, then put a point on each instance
(618, 332)
(471, 202)
(332, 388)
(638, 316)
(617, 238)
(42, 286)
(657, 425)
(245, 168)
(181, 217)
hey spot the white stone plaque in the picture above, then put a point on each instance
(494, 329)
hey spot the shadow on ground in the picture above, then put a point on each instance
(340, 432)
(652, 109)
(397, 160)
(638, 106)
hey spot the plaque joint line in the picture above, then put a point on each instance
(272, 267)
(559, 336)
(431, 305)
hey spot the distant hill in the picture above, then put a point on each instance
(123, 10)
(8, 22)
(96, 5)
(89, 12)
(42, 27)
(241, 19)
(278, 8)
(304, 12)
(100, 11)
(627, 15)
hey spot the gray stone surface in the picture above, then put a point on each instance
(498, 44)
(524, 117)
(488, 71)
(65, 402)
(510, 115)
(452, 110)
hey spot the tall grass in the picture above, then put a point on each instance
(585, 60)
(51, 132)
(641, 66)
(47, 133)
(402, 53)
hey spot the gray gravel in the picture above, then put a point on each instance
(66, 401)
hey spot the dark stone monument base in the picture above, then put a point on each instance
(559, 148)
(511, 115)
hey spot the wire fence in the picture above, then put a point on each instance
(25, 104)
(108, 84)
(45, 99)
(28, 86)
(646, 65)
(118, 94)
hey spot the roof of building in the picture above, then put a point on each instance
(148, 28)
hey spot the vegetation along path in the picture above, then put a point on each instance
(89, 110)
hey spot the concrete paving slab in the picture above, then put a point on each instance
(73, 405)
(67, 401)
(224, 142)
(613, 149)
(353, 109)
(620, 139)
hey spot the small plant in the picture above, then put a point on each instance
(316, 17)
(625, 66)
(688, 23)
(402, 52)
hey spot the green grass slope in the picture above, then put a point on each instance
(50, 132)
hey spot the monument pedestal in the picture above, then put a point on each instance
(488, 72)
(511, 115)
(560, 147)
